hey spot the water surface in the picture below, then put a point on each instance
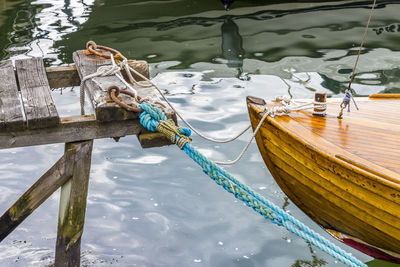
(155, 207)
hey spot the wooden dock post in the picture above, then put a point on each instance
(72, 210)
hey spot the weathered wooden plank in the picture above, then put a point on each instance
(149, 139)
(63, 76)
(37, 194)
(71, 129)
(96, 88)
(11, 116)
(77, 128)
(35, 90)
(72, 211)
(66, 76)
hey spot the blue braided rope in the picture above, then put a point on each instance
(151, 116)
(149, 119)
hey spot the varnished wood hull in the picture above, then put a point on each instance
(344, 174)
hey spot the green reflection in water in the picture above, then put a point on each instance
(199, 31)
(11, 13)
(190, 32)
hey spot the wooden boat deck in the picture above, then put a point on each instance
(344, 174)
(368, 137)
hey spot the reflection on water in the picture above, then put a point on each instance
(232, 44)
(32, 27)
(154, 207)
(227, 3)
(251, 36)
(315, 262)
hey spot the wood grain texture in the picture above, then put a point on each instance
(11, 116)
(377, 96)
(151, 139)
(70, 129)
(96, 88)
(56, 176)
(72, 210)
(63, 76)
(344, 174)
(35, 90)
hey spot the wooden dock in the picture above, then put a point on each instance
(28, 117)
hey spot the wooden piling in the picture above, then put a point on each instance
(36, 195)
(72, 210)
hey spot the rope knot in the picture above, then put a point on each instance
(285, 99)
(280, 110)
(174, 133)
(151, 116)
(154, 119)
(107, 70)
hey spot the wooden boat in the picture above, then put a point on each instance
(344, 174)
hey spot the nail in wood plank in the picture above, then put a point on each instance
(35, 90)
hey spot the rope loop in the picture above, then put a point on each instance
(151, 116)
(280, 110)
(107, 70)
(156, 113)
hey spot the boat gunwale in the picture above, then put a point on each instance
(374, 175)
